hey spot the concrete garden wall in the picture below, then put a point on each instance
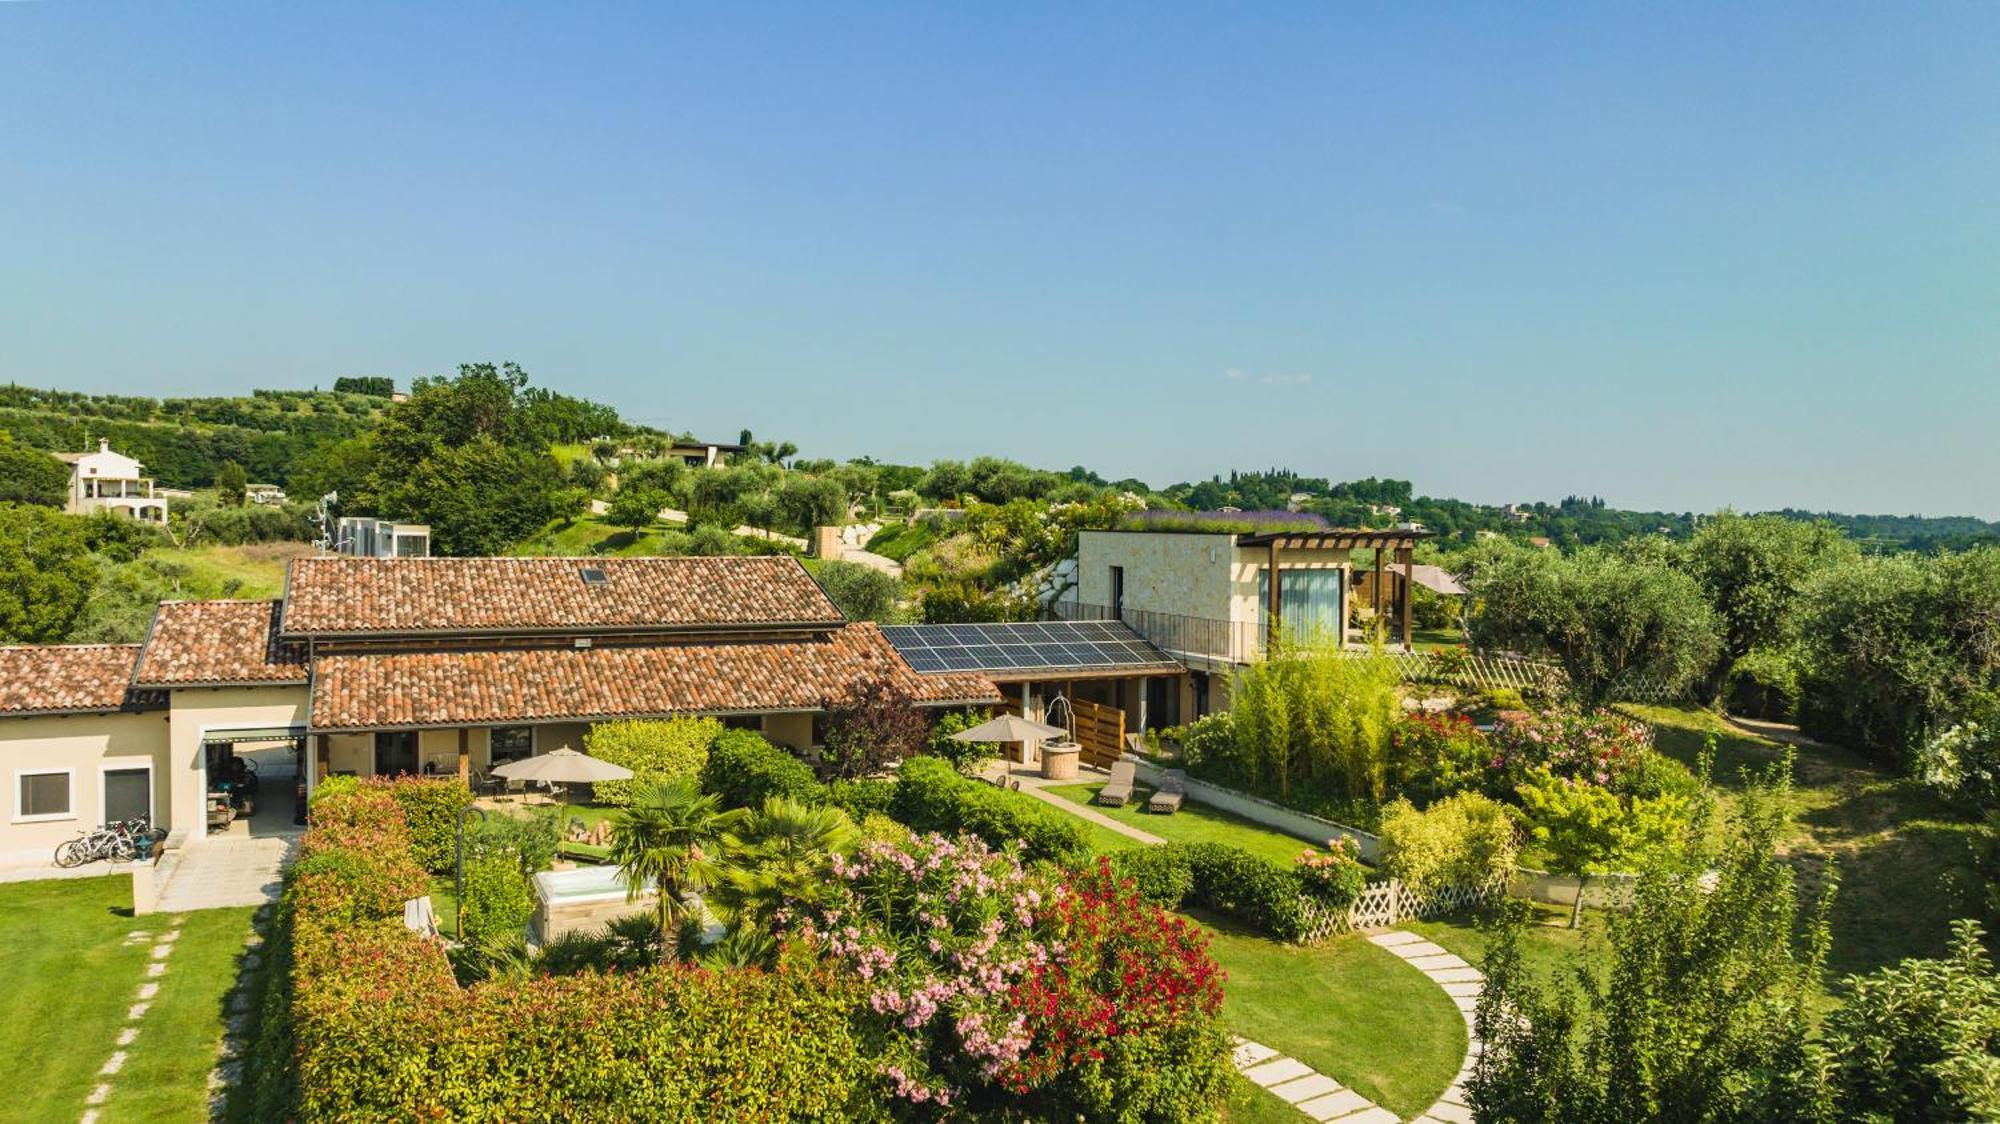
(1604, 891)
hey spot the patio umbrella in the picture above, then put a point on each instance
(563, 766)
(1010, 728)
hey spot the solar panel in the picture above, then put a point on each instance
(1024, 646)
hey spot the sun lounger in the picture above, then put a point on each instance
(1118, 789)
(1167, 798)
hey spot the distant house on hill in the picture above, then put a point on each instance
(108, 481)
(368, 537)
(699, 454)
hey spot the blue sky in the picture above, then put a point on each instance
(1680, 256)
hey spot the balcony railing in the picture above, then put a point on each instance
(1176, 634)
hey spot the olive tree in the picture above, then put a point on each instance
(1898, 649)
(1613, 621)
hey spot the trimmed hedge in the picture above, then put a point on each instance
(932, 796)
(431, 807)
(1226, 879)
(743, 769)
(862, 798)
(499, 899)
(367, 1023)
(654, 750)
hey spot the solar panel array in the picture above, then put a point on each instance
(1036, 646)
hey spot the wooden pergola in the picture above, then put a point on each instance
(1402, 543)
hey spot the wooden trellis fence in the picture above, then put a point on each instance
(1458, 668)
(1382, 904)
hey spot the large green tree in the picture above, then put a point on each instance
(1755, 570)
(1898, 648)
(46, 573)
(1614, 621)
(31, 476)
(470, 456)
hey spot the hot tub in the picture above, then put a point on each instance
(586, 899)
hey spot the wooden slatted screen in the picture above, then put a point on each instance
(1100, 730)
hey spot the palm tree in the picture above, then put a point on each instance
(782, 856)
(665, 840)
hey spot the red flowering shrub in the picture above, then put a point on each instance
(1124, 1014)
(1432, 756)
(1597, 748)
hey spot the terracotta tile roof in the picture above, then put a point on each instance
(215, 642)
(357, 692)
(55, 678)
(341, 595)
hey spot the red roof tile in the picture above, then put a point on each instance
(58, 678)
(216, 642)
(330, 596)
(358, 692)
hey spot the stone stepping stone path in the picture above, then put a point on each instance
(1463, 983)
(1324, 1099)
(228, 1071)
(1299, 1085)
(156, 966)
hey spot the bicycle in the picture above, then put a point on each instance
(118, 842)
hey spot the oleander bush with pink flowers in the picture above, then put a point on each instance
(928, 978)
(1001, 991)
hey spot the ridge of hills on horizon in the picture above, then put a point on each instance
(183, 440)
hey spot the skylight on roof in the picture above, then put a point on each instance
(591, 575)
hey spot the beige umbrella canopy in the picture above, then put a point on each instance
(1009, 728)
(563, 766)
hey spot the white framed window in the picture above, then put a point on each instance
(44, 794)
(125, 791)
(510, 743)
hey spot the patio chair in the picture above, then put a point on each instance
(1167, 798)
(1118, 789)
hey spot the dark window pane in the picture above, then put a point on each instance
(45, 794)
(128, 795)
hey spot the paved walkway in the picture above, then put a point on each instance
(1464, 984)
(1031, 781)
(1304, 1088)
(227, 870)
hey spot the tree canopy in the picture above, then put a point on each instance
(1610, 619)
(31, 476)
(46, 573)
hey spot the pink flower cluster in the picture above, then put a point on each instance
(943, 931)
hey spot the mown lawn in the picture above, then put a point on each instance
(1905, 859)
(1348, 1009)
(588, 535)
(256, 570)
(70, 979)
(1194, 823)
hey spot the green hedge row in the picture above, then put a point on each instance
(1226, 879)
(367, 1022)
(931, 796)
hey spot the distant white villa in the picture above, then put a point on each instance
(108, 481)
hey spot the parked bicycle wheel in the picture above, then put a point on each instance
(69, 853)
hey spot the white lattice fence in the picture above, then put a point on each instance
(1382, 904)
(1491, 673)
